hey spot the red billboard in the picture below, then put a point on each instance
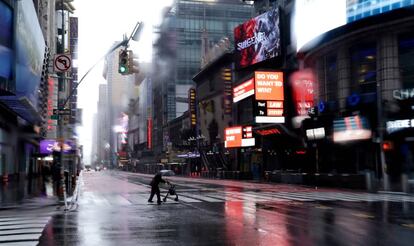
(303, 83)
(257, 39)
(243, 90)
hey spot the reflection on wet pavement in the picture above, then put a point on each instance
(230, 217)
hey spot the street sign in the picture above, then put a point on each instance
(54, 117)
(62, 63)
(65, 111)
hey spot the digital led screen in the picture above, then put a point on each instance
(6, 40)
(312, 18)
(359, 9)
(257, 39)
(303, 84)
(238, 136)
(30, 52)
(351, 128)
(243, 90)
(269, 95)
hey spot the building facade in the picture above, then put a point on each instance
(188, 30)
(365, 74)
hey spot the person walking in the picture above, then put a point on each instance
(156, 180)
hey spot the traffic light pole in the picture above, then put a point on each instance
(61, 106)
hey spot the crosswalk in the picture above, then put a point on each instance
(22, 227)
(89, 198)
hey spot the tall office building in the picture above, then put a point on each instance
(102, 126)
(119, 89)
(189, 28)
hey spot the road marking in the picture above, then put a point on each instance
(363, 215)
(26, 243)
(203, 198)
(323, 207)
(411, 226)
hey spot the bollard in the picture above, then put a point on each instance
(369, 181)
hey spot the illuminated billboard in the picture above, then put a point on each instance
(30, 49)
(239, 136)
(351, 128)
(257, 39)
(358, 9)
(243, 90)
(6, 41)
(192, 106)
(47, 146)
(312, 18)
(269, 97)
(303, 84)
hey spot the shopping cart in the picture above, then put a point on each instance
(171, 191)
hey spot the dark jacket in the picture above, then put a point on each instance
(156, 180)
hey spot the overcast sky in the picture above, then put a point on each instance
(101, 23)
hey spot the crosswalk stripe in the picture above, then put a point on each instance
(22, 231)
(119, 200)
(20, 237)
(26, 243)
(32, 225)
(246, 196)
(23, 218)
(205, 198)
(14, 222)
(187, 199)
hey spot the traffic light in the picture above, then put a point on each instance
(123, 67)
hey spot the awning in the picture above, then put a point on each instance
(22, 107)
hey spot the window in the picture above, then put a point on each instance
(331, 77)
(406, 60)
(364, 68)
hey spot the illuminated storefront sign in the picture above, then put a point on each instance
(243, 90)
(316, 133)
(351, 128)
(403, 94)
(238, 136)
(397, 125)
(47, 146)
(269, 97)
(266, 132)
(192, 106)
(227, 78)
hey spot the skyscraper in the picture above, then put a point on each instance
(187, 31)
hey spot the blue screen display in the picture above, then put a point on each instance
(6, 40)
(358, 9)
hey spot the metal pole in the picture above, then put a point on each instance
(380, 130)
(60, 123)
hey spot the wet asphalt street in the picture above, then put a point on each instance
(113, 210)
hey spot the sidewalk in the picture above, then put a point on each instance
(25, 192)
